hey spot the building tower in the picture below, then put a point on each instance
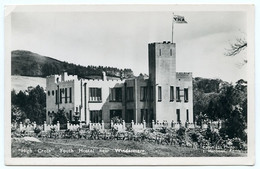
(162, 73)
(172, 91)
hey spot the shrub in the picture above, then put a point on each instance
(181, 132)
(37, 130)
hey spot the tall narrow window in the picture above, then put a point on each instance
(171, 93)
(159, 93)
(171, 52)
(116, 94)
(60, 95)
(129, 115)
(57, 97)
(186, 95)
(178, 115)
(160, 52)
(187, 115)
(129, 93)
(70, 115)
(143, 93)
(96, 116)
(70, 90)
(144, 115)
(66, 95)
(178, 99)
(95, 95)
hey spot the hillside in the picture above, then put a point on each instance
(26, 63)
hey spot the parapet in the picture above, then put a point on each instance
(184, 75)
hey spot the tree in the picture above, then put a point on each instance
(17, 114)
(60, 116)
(235, 48)
(235, 124)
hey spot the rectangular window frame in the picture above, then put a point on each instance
(159, 93)
(143, 93)
(187, 115)
(178, 97)
(178, 114)
(95, 94)
(66, 96)
(130, 94)
(116, 94)
(171, 93)
(186, 95)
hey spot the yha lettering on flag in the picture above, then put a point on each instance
(179, 19)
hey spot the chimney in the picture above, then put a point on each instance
(104, 76)
(64, 75)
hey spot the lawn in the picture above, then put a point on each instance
(107, 148)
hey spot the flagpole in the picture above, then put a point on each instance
(172, 26)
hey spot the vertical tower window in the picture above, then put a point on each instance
(178, 99)
(66, 95)
(186, 95)
(171, 52)
(187, 115)
(60, 95)
(178, 115)
(56, 96)
(143, 93)
(160, 52)
(70, 90)
(159, 93)
(171, 93)
(129, 93)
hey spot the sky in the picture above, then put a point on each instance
(120, 39)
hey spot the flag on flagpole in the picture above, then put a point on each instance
(178, 19)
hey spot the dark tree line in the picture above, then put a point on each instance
(226, 102)
(29, 105)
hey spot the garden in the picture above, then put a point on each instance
(149, 142)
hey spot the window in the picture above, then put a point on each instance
(116, 94)
(151, 115)
(52, 92)
(187, 115)
(129, 116)
(48, 93)
(171, 52)
(70, 115)
(61, 95)
(178, 115)
(57, 96)
(95, 95)
(96, 116)
(160, 52)
(144, 115)
(186, 95)
(178, 99)
(143, 93)
(66, 96)
(171, 93)
(129, 93)
(70, 90)
(115, 114)
(159, 93)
